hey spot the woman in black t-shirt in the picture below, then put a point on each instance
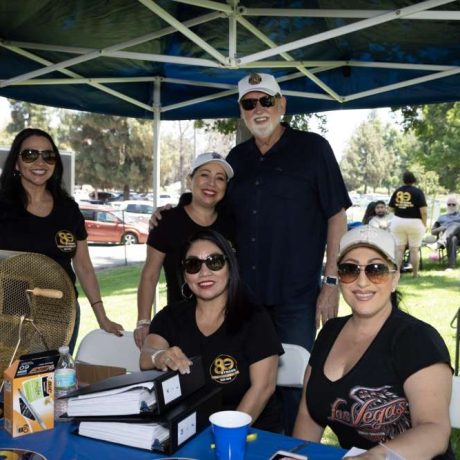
(236, 340)
(379, 378)
(37, 215)
(208, 183)
(409, 223)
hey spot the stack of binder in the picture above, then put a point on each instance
(150, 410)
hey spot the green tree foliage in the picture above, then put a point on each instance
(27, 115)
(367, 160)
(437, 128)
(111, 152)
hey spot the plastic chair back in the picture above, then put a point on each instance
(292, 366)
(100, 347)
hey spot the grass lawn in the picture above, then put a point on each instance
(433, 297)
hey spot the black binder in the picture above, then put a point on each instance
(184, 421)
(170, 387)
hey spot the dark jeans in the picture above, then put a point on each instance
(294, 324)
(449, 239)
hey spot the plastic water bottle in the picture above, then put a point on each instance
(65, 381)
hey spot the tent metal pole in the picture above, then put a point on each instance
(156, 160)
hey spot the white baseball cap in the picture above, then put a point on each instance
(370, 237)
(263, 82)
(214, 157)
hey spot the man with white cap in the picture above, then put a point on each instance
(288, 200)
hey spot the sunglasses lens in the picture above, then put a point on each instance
(377, 273)
(49, 156)
(192, 265)
(215, 262)
(348, 273)
(29, 155)
(267, 101)
(248, 104)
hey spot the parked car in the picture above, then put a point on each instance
(135, 210)
(106, 225)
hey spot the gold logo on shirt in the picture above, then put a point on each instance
(224, 369)
(66, 241)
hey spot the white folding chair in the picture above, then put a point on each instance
(292, 366)
(454, 408)
(100, 347)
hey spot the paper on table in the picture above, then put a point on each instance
(132, 399)
(141, 435)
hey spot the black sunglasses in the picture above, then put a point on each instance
(376, 273)
(31, 155)
(214, 262)
(251, 103)
(451, 204)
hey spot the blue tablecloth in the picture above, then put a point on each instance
(62, 444)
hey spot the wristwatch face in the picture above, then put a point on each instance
(330, 280)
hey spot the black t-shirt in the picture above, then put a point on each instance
(226, 356)
(368, 404)
(407, 201)
(281, 202)
(172, 232)
(55, 235)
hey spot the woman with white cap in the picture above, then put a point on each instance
(379, 378)
(208, 182)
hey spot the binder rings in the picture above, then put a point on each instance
(183, 421)
(170, 387)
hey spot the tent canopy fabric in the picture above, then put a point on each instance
(183, 58)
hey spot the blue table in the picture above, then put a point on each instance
(62, 444)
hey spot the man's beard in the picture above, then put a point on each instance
(266, 130)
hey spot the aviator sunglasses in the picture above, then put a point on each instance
(376, 273)
(31, 155)
(264, 101)
(214, 262)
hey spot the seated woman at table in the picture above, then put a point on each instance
(236, 340)
(378, 377)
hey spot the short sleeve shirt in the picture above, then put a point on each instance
(226, 356)
(172, 232)
(368, 404)
(447, 219)
(407, 201)
(55, 235)
(281, 202)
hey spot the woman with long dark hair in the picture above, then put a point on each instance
(236, 340)
(379, 378)
(38, 215)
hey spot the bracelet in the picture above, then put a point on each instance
(154, 355)
(143, 322)
(96, 302)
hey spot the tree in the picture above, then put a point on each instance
(27, 115)
(437, 128)
(367, 160)
(111, 152)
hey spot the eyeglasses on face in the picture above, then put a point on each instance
(251, 103)
(451, 204)
(376, 273)
(31, 155)
(214, 262)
